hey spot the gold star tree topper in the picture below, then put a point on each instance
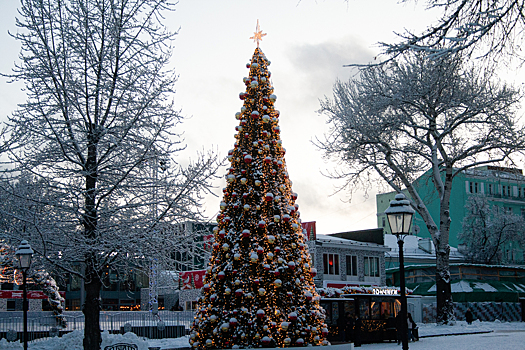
(257, 36)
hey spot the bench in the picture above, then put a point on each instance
(122, 346)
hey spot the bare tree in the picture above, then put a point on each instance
(489, 27)
(414, 116)
(97, 126)
(487, 230)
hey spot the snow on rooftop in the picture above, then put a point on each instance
(485, 286)
(412, 247)
(338, 240)
(459, 287)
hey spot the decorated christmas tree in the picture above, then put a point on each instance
(259, 288)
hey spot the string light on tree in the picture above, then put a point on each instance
(259, 289)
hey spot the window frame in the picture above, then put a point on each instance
(371, 266)
(331, 269)
(351, 265)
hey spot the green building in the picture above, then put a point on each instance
(504, 187)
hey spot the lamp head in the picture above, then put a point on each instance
(399, 215)
(24, 255)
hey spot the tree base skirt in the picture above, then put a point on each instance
(345, 346)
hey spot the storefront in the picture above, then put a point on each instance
(367, 317)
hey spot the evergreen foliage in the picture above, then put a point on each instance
(259, 288)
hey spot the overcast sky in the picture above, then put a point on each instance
(307, 41)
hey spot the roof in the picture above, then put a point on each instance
(413, 248)
(475, 290)
(337, 242)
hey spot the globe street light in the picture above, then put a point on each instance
(24, 255)
(399, 215)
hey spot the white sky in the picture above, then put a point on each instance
(308, 42)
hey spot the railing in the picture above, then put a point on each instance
(43, 324)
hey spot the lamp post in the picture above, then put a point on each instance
(399, 215)
(24, 255)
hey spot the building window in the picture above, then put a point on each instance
(11, 305)
(491, 189)
(371, 266)
(505, 190)
(190, 305)
(331, 264)
(351, 265)
(474, 187)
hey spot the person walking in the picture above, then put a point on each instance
(413, 333)
(357, 332)
(469, 317)
(349, 331)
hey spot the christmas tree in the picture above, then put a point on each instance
(259, 288)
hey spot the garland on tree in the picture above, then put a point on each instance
(50, 289)
(42, 278)
(259, 289)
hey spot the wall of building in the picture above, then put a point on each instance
(507, 189)
(360, 279)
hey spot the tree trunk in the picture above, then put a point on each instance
(91, 310)
(93, 284)
(445, 307)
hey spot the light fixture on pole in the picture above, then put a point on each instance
(24, 255)
(399, 215)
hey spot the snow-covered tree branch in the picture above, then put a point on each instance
(487, 230)
(417, 115)
(93, 169)
(488, 28)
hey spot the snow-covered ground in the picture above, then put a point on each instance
(478, 335)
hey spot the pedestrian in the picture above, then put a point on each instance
(341, 327)
(469, 317)
(413, 333)
(349, 329)
(357, 332)
(399, 328)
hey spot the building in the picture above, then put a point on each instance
(504, 187)
(354, 258)
(123, 290)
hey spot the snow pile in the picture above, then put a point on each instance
(73, 341)
(5, 345)
(170, 343)
(128, 338)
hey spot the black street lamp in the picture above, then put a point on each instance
(24, 255)
(399, 215)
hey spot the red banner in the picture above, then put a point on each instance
(192, 279)
(31, 294)
(310, 230)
